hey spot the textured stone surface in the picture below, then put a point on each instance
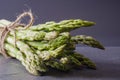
(108, 67)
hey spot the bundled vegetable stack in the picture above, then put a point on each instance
(49, 45)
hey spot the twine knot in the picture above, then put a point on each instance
(11, 27)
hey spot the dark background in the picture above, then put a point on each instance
(106, 14)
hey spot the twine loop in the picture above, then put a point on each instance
(11, 27)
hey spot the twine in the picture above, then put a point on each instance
(6, 29)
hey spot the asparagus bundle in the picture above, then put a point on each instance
(48, 45)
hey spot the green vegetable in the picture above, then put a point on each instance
(52, 44)
(33, 60)
(34, 35)
(84, 60)
(62, 26)
(48, 45)
(87, 40)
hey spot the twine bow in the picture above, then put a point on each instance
(5, 30)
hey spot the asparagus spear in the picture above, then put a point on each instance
(62, 39)
(84, 60)
(32, 58)
(58, 65)
(65, 63)
(87, 40)
(4, 22)
(34, 35)
(48, 54)
(63, 26)
(14, 52)
(40, 45)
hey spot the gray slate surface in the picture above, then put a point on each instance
(108, 67)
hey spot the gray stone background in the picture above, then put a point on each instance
(106, 14)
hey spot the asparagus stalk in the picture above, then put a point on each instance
(87, 40)
(64, 63)
(84, 60)
(62, 39)
(14, 52)
(32, 59)
(4, 22)
(58, 65)
(50, 54)
(63, 26)
(39, 45)
(30, 35)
